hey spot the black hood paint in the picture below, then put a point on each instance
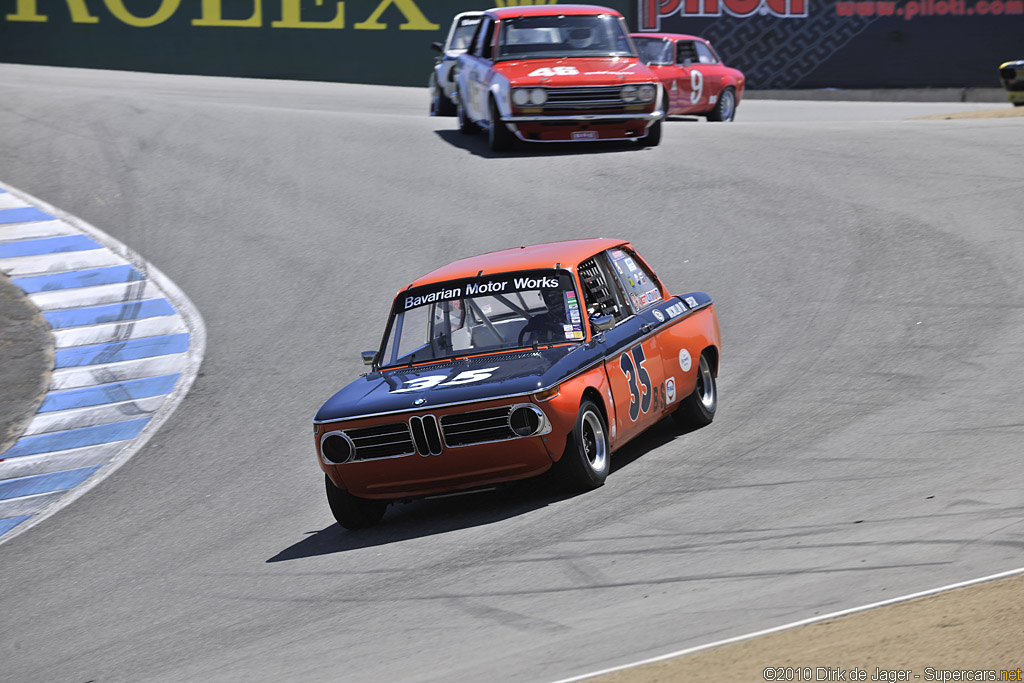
(518, 372)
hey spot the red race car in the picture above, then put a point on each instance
(693, 74)
(497, 367)
(556, 73)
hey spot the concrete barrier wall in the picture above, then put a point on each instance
(778, 43)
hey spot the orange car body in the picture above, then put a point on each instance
(411, 429)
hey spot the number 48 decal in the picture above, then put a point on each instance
(555, 71)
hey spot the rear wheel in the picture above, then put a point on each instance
(499, 137)
(466, 126)
(698, 409)
(587, 458)
(351, 511)
(725, 108)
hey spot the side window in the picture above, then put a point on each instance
(485, 38)
(704, 54)
(640, 286)
(686, 53)
(483, 30)
(600, 295)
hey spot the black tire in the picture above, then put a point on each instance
(587, 458)
(698, 409)
(352, 512)
(440, 104)
(499, 137)
(466, 127)
(653, 137)
(725, 107)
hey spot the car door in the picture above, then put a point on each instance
(711, 71)
(632, 355)
(475, 70)
(692, 94)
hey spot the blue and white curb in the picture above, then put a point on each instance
(128, 344)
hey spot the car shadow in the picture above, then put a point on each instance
(477, 144)
(421, 518)
(691, 119)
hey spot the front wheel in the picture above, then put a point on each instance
(440, 105)
(725, 108)
(698, 409)
(653, 137)
(499, 137)
(351, 511)
(587, 458)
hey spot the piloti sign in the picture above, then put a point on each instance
(283, 14)
(651, 11)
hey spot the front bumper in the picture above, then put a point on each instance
(464, 457)
(582, 127)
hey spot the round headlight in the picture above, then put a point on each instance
(647, 92)
(336, 448)
(520, 97)
(538, 96)
(524, 420)
(628, 93)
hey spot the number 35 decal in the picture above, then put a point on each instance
(635, 371)
(467, 377)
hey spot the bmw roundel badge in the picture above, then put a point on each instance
(419, 401)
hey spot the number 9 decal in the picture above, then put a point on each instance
(696, 86)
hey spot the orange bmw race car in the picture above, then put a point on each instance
(497, 367)
(696, 80)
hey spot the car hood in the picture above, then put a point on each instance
(473, 379)
(592, 71)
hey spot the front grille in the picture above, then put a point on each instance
(426, 434)
(478, 426)
(381, 441)
(602, 97)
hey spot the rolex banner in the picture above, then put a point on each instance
(778, 43)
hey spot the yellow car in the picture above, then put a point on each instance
(1012, 74)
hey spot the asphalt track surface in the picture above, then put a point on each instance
(867, 272)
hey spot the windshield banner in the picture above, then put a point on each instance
(486, 285)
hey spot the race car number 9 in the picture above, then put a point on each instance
(555, 71)
(696, 86)
(635, 371)
(424, 383)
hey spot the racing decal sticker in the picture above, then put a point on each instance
(684, 360)
(430, 381)
(670, 391)
(676, 310)
(633, 369)
(659, 315)
(555, 71)
(691, 302)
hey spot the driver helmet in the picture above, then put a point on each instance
(555, 302)
(581, 37)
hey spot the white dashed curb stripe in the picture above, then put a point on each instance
(128, 347)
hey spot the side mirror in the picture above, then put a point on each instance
(369, 357)
(437, 46)
(602, 323)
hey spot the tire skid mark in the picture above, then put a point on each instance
(128, 344)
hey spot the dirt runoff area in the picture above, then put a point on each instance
(985, 114)
(975, 633)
